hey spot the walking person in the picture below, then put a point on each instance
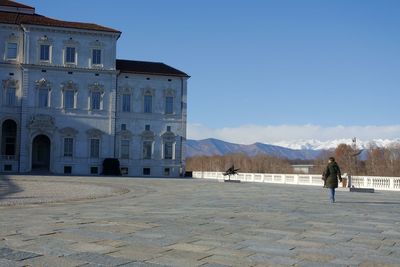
(331, 175)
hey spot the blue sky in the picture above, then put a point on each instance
(267, 64)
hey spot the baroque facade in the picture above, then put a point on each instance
(67, 103)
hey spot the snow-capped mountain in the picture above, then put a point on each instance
(301, 149)
(332, 144)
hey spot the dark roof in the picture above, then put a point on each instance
(13, 4)
(144, 67)
(8, 17)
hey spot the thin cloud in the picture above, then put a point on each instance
(249, 134)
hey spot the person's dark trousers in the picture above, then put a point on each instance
(331, 194)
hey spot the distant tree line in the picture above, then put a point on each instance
(378, 161)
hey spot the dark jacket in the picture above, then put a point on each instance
(332, 174)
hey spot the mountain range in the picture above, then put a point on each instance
(300, 150)
(209, 147)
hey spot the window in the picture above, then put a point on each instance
(123, 127)
(69, 99)
(11, 96)
(12, 50)
(169, 105)
(96, 56)
(45, 52)
(7, 167)
(124, 170)
(67, 169)
(68, 147)
(146, 171)
(168, 150)
(95, 100)
(43, 98)
(125, 149)
(70, 54)
(126, 102)
(168, 128)
(147, 149)
(167, 171)
(94, 148)
(94, 170)
(148, 104)
(147, 127)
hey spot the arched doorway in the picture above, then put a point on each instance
(8, 138)
(41, 153)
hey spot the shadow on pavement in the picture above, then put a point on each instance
(8, 187)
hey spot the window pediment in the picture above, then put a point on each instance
(94, 133)
(168, 136)
(147, 135)
(45, 40)
(69, 85)
(68, 131)
(43, 84)
(125, 134)
(71, 42)
(96, 87)
(169, 92)
(10, 83)
(148, 91)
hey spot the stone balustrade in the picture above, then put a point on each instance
(376, 182)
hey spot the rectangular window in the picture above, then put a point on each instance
(147, 149)
(95, 100)
(148, 104)
(67, 169)
(11, 96)
(68, 147)
(70, 55)
(43, 98)
(94, 170)
(12, 50)
(125, 149)
(126, 102)
(94, 148)
(45, 52)
(123, 127)
(147, 127)
(7, 167)
(124, 170)
(168, 150)
(10, 146)
(146, 171)
(169, 105)
(96, 56)
(69, 99)
(167, 171)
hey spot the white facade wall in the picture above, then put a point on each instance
(29, 75)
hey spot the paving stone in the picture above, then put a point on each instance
(51, 261)
(9, 263)
(98, 259)
(196, 222)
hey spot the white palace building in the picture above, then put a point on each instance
(67, 103)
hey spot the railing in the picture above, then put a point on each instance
(376, 182)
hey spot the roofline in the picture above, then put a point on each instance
(153, 73)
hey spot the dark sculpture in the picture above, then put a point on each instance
(231, 171)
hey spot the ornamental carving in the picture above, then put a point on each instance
(10, 83)
(96, 87)
(71, 42)
(169, 92)
(45, 40)
(96, 43)
(147, 135)
(68, 131)
(94, 133)
(148, 91)
(125, 134)
(168, 137)
(125, 89)
(43, 84)
(42, 122)
(69, 85)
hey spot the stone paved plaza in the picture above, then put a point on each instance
(106, 221)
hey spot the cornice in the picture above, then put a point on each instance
(64, 68)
